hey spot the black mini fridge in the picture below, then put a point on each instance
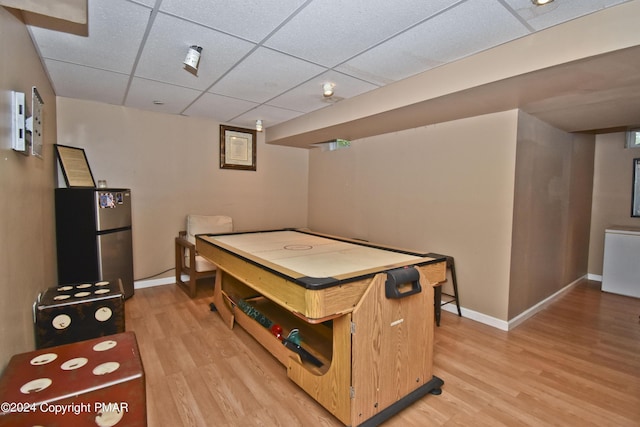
(93, 236)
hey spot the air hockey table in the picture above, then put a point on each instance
(351, 321)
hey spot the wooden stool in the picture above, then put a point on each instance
(437, 295)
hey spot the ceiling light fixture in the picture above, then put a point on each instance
(541, 2)
(259, 125)
(327, 89)
(193, 58)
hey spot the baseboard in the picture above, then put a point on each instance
(477, 316)
(508, 325)
(594, 277)
(542, 304)
(140, 284)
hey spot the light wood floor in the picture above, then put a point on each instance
(576, 363)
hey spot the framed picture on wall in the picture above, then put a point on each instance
(75, 166)
(635, 207)
(237, 148)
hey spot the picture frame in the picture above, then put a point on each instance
(237, 148)
(635, 189)
(75, 167)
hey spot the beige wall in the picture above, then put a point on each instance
(506, 194)
(444, 188)
(552, 211)
(611, 192)
(171, 164)
(27, 244)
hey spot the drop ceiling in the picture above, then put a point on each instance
(268, 59)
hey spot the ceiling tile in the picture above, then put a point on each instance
(77, 81)
(308, 96)
(478, 26)
(540, 17)
(167, 47)
(269, 115)
(149, 3)
(110, 47)
(143, 93)
(331, 31)
(218, 107)
(268, 58)
(264, 75)
(249, 19)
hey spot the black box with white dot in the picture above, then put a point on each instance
(76, 312)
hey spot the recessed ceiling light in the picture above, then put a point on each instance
(158, 102)
(541, 2)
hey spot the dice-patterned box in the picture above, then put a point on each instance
(76, 312)
(97, 382)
